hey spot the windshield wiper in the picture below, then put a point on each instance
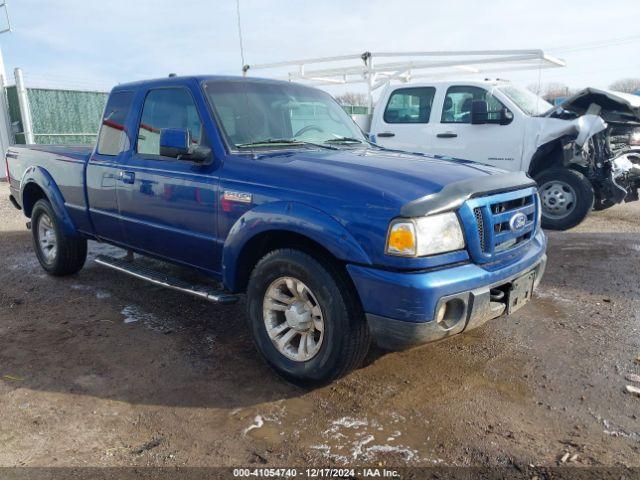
(283, 141)
(343, 140)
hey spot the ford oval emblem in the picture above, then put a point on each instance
(517, 222)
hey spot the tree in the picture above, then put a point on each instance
(352, 98)
(551, 91)
(627, 85)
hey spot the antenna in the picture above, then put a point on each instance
(240, 34)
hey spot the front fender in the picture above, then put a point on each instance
(293, 217)
(44, 180)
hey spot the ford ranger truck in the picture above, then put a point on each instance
(269, 189)
(583, 154)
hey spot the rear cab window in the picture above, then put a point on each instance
(458, 100)
(167, 108)
(410, 105)
(113, 137)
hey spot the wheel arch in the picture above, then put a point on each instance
(37, 184)
(547, 156)
(284, 225)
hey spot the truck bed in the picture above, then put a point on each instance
(77, 152)
(65, 163)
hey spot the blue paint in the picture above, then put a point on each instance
(412, 297)
(36, 175)
(202, 214)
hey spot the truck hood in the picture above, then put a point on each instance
(615, 106)
(583, 115)
(395, 176)
(543, 130)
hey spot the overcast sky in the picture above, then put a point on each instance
(96, 44)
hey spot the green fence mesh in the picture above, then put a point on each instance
(355, 109)
(59, 116)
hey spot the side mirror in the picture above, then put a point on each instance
(506, 116)
(176, 143)
(479, 113)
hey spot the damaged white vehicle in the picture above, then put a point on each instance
(584, 154)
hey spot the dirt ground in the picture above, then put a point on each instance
(100, 369)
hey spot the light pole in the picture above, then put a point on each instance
(5, 123)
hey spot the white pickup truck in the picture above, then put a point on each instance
(583, 154)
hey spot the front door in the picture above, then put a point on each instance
(491, 143)
(169, 206)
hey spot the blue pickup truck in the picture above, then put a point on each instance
(269, 189)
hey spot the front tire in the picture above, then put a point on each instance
(566, 196)
(58, 254)
(305, 317)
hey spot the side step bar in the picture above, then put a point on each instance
(157, 278)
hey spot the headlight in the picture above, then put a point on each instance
(634, 138)
(418, 237)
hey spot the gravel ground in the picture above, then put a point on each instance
(99, 369)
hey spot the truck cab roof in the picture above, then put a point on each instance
(181, 80)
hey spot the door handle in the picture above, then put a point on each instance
(126, 177)
(447, 135)
(386, 134)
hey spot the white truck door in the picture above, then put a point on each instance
(404, 119)
(491, 143)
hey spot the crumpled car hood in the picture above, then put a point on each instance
(615, 105)
(574, 116)
(545, 130)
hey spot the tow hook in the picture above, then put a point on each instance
(496, 295)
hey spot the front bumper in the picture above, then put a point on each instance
(401, 307)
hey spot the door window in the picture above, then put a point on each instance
(457, 104)
(113, 137)
(410, 105)
(167, 108)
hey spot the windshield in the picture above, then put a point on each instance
(526, 100)
(270, 114)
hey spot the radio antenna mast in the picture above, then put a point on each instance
(240, 34)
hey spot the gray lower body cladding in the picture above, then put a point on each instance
(476, 308)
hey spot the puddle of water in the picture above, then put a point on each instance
(548, 294)
(26, 262)
(133, 314)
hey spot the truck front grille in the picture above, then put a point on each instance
(489, 233)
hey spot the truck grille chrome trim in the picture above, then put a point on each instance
(480, 221)
(498, 225)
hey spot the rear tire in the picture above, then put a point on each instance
(566, 196)
(58, 254)
(325, 311)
